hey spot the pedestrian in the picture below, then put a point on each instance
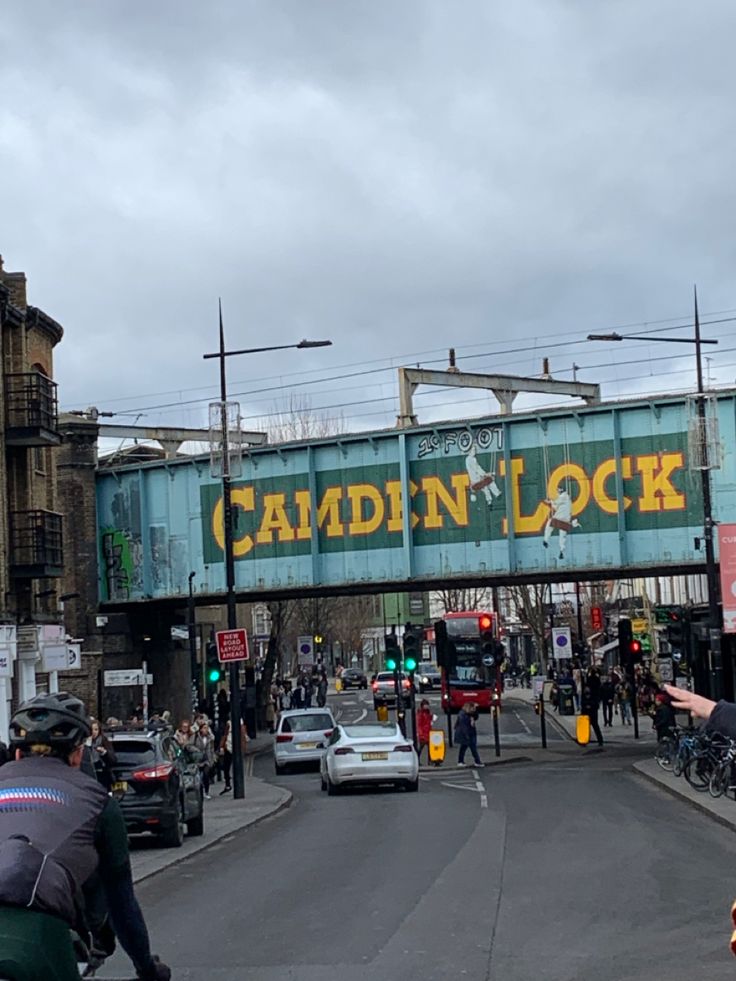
(424, 725)
(466, 735)
(322, 691)
(608, 695)
(184, 734)
(589, 707)
(577, 677)
(204, 741)
(624, 702)
(226, 751)
(101, 754)
(664, 721)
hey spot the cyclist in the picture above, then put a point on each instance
(59, 830)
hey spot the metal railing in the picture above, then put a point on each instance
(31, 402)
(35, 543)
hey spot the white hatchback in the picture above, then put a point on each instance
(372, 752)
(301, 736)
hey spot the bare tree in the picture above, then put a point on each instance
(529, 603)
(455, 600)
(295, 419)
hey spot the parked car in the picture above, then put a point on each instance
(158, 784)
(384, 688)
(427, 677)
(368, 753)
(301, 737)
(353, 678)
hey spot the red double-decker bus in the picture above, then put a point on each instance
(470, 655)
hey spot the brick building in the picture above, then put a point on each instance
(31, 552)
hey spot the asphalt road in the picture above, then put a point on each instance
(570, 869)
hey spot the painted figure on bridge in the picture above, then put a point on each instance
(481, 481)
(560, 518)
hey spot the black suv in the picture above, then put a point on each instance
(158, 784)
(353, 678)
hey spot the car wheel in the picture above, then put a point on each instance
(195, 825)
(323, 783)
(280, 770)
(412, 785)
(174, 837)
(332, 788)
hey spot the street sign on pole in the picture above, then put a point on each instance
(232, 645)
(561, 643)
(305, 650)
(124, 677)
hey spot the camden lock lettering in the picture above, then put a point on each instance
(460, 498)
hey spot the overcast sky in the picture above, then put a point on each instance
(397, 176)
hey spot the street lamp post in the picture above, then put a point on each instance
(227, 517)
(711, 570)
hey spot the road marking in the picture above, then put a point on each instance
(461, 786)
(362, 715)
(521, 722)
(483, 800)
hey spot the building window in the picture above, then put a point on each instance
(39, 459)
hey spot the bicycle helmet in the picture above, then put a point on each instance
(58, 720)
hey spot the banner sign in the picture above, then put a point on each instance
(727, 554)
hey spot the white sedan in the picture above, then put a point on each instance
(375, 752)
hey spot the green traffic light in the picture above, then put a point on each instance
(390, 664)
(410, 664)
(214, 674)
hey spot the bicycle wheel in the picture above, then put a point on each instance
(718, 783)
(666, 752)
(683, 755)
(697, 772)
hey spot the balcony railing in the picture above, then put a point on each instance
(31, 410)
(35, 544)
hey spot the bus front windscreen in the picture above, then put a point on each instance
(463, 626)
(469, 668)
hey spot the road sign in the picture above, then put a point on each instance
(665, 669)
(640, 626)
(232, 645)
(74, 657)
(561, 643)
(305, 650)
(6, 662)
(596, 618)
(126, 676)
(54, 657)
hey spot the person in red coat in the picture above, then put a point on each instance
(424, 724)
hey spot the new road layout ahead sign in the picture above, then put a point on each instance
(232, 645)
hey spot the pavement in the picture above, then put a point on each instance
(721, 809)
(223, 817)
(617, 735)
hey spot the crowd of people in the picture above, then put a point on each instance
(611, 692)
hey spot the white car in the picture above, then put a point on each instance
(372, 752)
(301, 736)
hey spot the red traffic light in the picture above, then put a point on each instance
(485, 622)
(635, 647)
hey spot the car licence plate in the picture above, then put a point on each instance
(120, 787)
(375, 756)
(307, 745)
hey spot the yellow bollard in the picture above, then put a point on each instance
(382, 713)
(582, 730)
(436, 746)
(338, 685)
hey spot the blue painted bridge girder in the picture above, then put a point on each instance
(591, 492)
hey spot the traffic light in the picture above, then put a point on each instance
(412, 648)
(393, 652)
(629, 649)
(213, 668)
(441, 643)
(676, 630)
